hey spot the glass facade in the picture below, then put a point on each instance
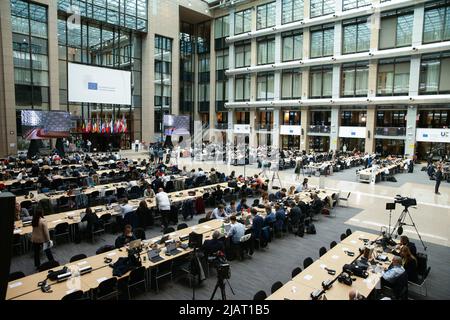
(356, 35)
(131, 14)
(292, 46)
(265, 86)
(321, 7)
(436, 21)
(352, 4)
(435, 74)
(163, 79)
(265, 15)
(242, 88)
(221, 79)
(322, 41)
(291, 84)
(243, 21)
(242, 53)
(30, 55)
(320, 82)
(107, 46)
(355, 79)
(292, 10)
(266, 50)
(393, 77)
(398, 23)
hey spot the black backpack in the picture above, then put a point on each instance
(301, 230)
(311, 229)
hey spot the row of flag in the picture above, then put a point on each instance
(104, 126)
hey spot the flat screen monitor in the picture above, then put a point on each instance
(37, 124)
(176, 125)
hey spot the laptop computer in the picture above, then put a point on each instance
(153, 255)
(171, 248)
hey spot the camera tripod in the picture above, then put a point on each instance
(221, 284)
(276, 176)
(401, 222)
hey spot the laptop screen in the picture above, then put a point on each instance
(153, 254)
(171, 247)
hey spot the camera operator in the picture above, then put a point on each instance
(438, 176)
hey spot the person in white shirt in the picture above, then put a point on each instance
(163, 202)
(219, 213)
(22, 175)
(125, 208)
(132, 183)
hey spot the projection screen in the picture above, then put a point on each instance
(91, 84)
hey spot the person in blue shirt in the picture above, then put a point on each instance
(394, 271)
(280, 218)
(242, 205)
(270, 217)
(257, 230)
(237, 231)
(280, 194)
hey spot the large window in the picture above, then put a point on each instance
(322, 41)
(291, 84)
(434, 118)
(436, 21)
(356, 35)
(30, 54)
(131, 14)
(320, 82)
(221, 27)
(352, 4)
(163, 73)
(109, 46)
(221, 79)
(242, 54)
(355, 79)
(203, 82)
(396, 28)
(321, 7)
(291, 10)
(292, 45)
(393, 77)
(221, 31)
(265, 86)
(265, 15)
(266, 50)
(242, 88)
(435, 74)
(243, 21)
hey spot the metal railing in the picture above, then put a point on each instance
(319, 129)
(390, 131)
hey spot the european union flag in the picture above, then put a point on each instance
(353, 133)
(92, 86)
(425, 135)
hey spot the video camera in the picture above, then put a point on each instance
(405, 201)
(222, 267)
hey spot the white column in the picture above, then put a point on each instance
(334, 128)
(419, 12)
(411, 117)
(414, 76)
(276, 130)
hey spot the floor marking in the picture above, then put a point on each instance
(391, 198)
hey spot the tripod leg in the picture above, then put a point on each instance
(222, 290)
(214, 292)
(417, 231)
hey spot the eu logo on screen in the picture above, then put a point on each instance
(92, 86)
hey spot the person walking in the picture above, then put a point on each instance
(438, 176)
(89, 144)
(40, 237)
